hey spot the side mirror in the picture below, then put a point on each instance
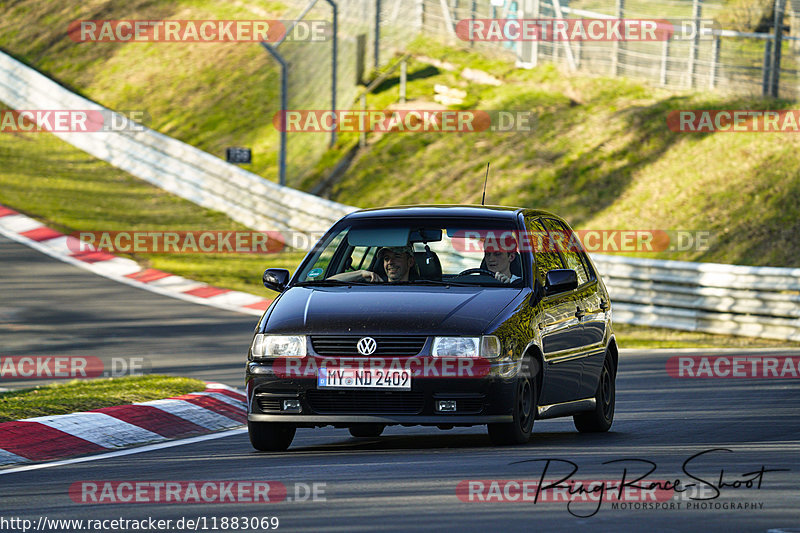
(560, 280)
(276, 279)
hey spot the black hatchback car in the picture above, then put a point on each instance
(437, 316)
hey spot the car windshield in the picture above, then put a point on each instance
(417, 252)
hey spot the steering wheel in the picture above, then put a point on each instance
(476, 271)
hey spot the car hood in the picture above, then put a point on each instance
(387, 310)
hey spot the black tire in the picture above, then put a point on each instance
(367, 430)
(518, 431)
(602, 417)
(270, 436)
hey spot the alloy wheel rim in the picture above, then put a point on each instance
(525, 404)
(607, 392)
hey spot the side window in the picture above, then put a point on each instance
(546, 255)
(324, 261)
(570, 248)
(361, 257)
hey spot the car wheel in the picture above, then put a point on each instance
(602, 417)
(269, 436)
(367, 430)
(519, 430)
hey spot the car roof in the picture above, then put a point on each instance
(461, 211)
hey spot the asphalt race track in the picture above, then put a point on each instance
(48, 307)
(407, 479)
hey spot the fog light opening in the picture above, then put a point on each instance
(291, 406)
(446, 406)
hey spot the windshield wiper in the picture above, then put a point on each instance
(437, 282)
(331, 283)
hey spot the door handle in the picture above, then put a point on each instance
(580, 313)
(603, 305)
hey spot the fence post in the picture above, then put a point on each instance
(712, 76)
(664, 62)
(472, 9)
(697, 11)
(334, 67)
(567, 44)
(775, 70)
(420, 17)
(284, 99)
(361, 57)
(535, 42)
(377, 51)
(617, 45)
(765, 77)
(449, 25)
(403, 80)
(362, 137)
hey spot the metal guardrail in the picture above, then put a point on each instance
(173, 165)
(709, 297)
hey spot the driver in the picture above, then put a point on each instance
(499, 261)
(398, 262)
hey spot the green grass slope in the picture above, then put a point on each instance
(210, 95)
(601, 155)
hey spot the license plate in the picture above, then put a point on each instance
(364, 378)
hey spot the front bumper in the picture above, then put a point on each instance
(411, 420)
(478, 400)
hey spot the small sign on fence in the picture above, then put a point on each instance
(238, 155)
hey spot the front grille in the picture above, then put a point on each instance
(268, 403)
(387, 345)
(365, 402)
(469, 405)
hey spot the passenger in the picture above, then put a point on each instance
(398, 262)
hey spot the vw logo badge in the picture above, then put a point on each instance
(367, 346)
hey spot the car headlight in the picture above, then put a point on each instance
(487, 346)
(265, 346)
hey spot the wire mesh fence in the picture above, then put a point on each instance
(368, 33)
(721, 60)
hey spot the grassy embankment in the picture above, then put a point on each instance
(601, 155)
(85, 395)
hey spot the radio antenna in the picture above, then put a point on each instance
(483, 199)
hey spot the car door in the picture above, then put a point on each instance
(560, 329)
(590, 311)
